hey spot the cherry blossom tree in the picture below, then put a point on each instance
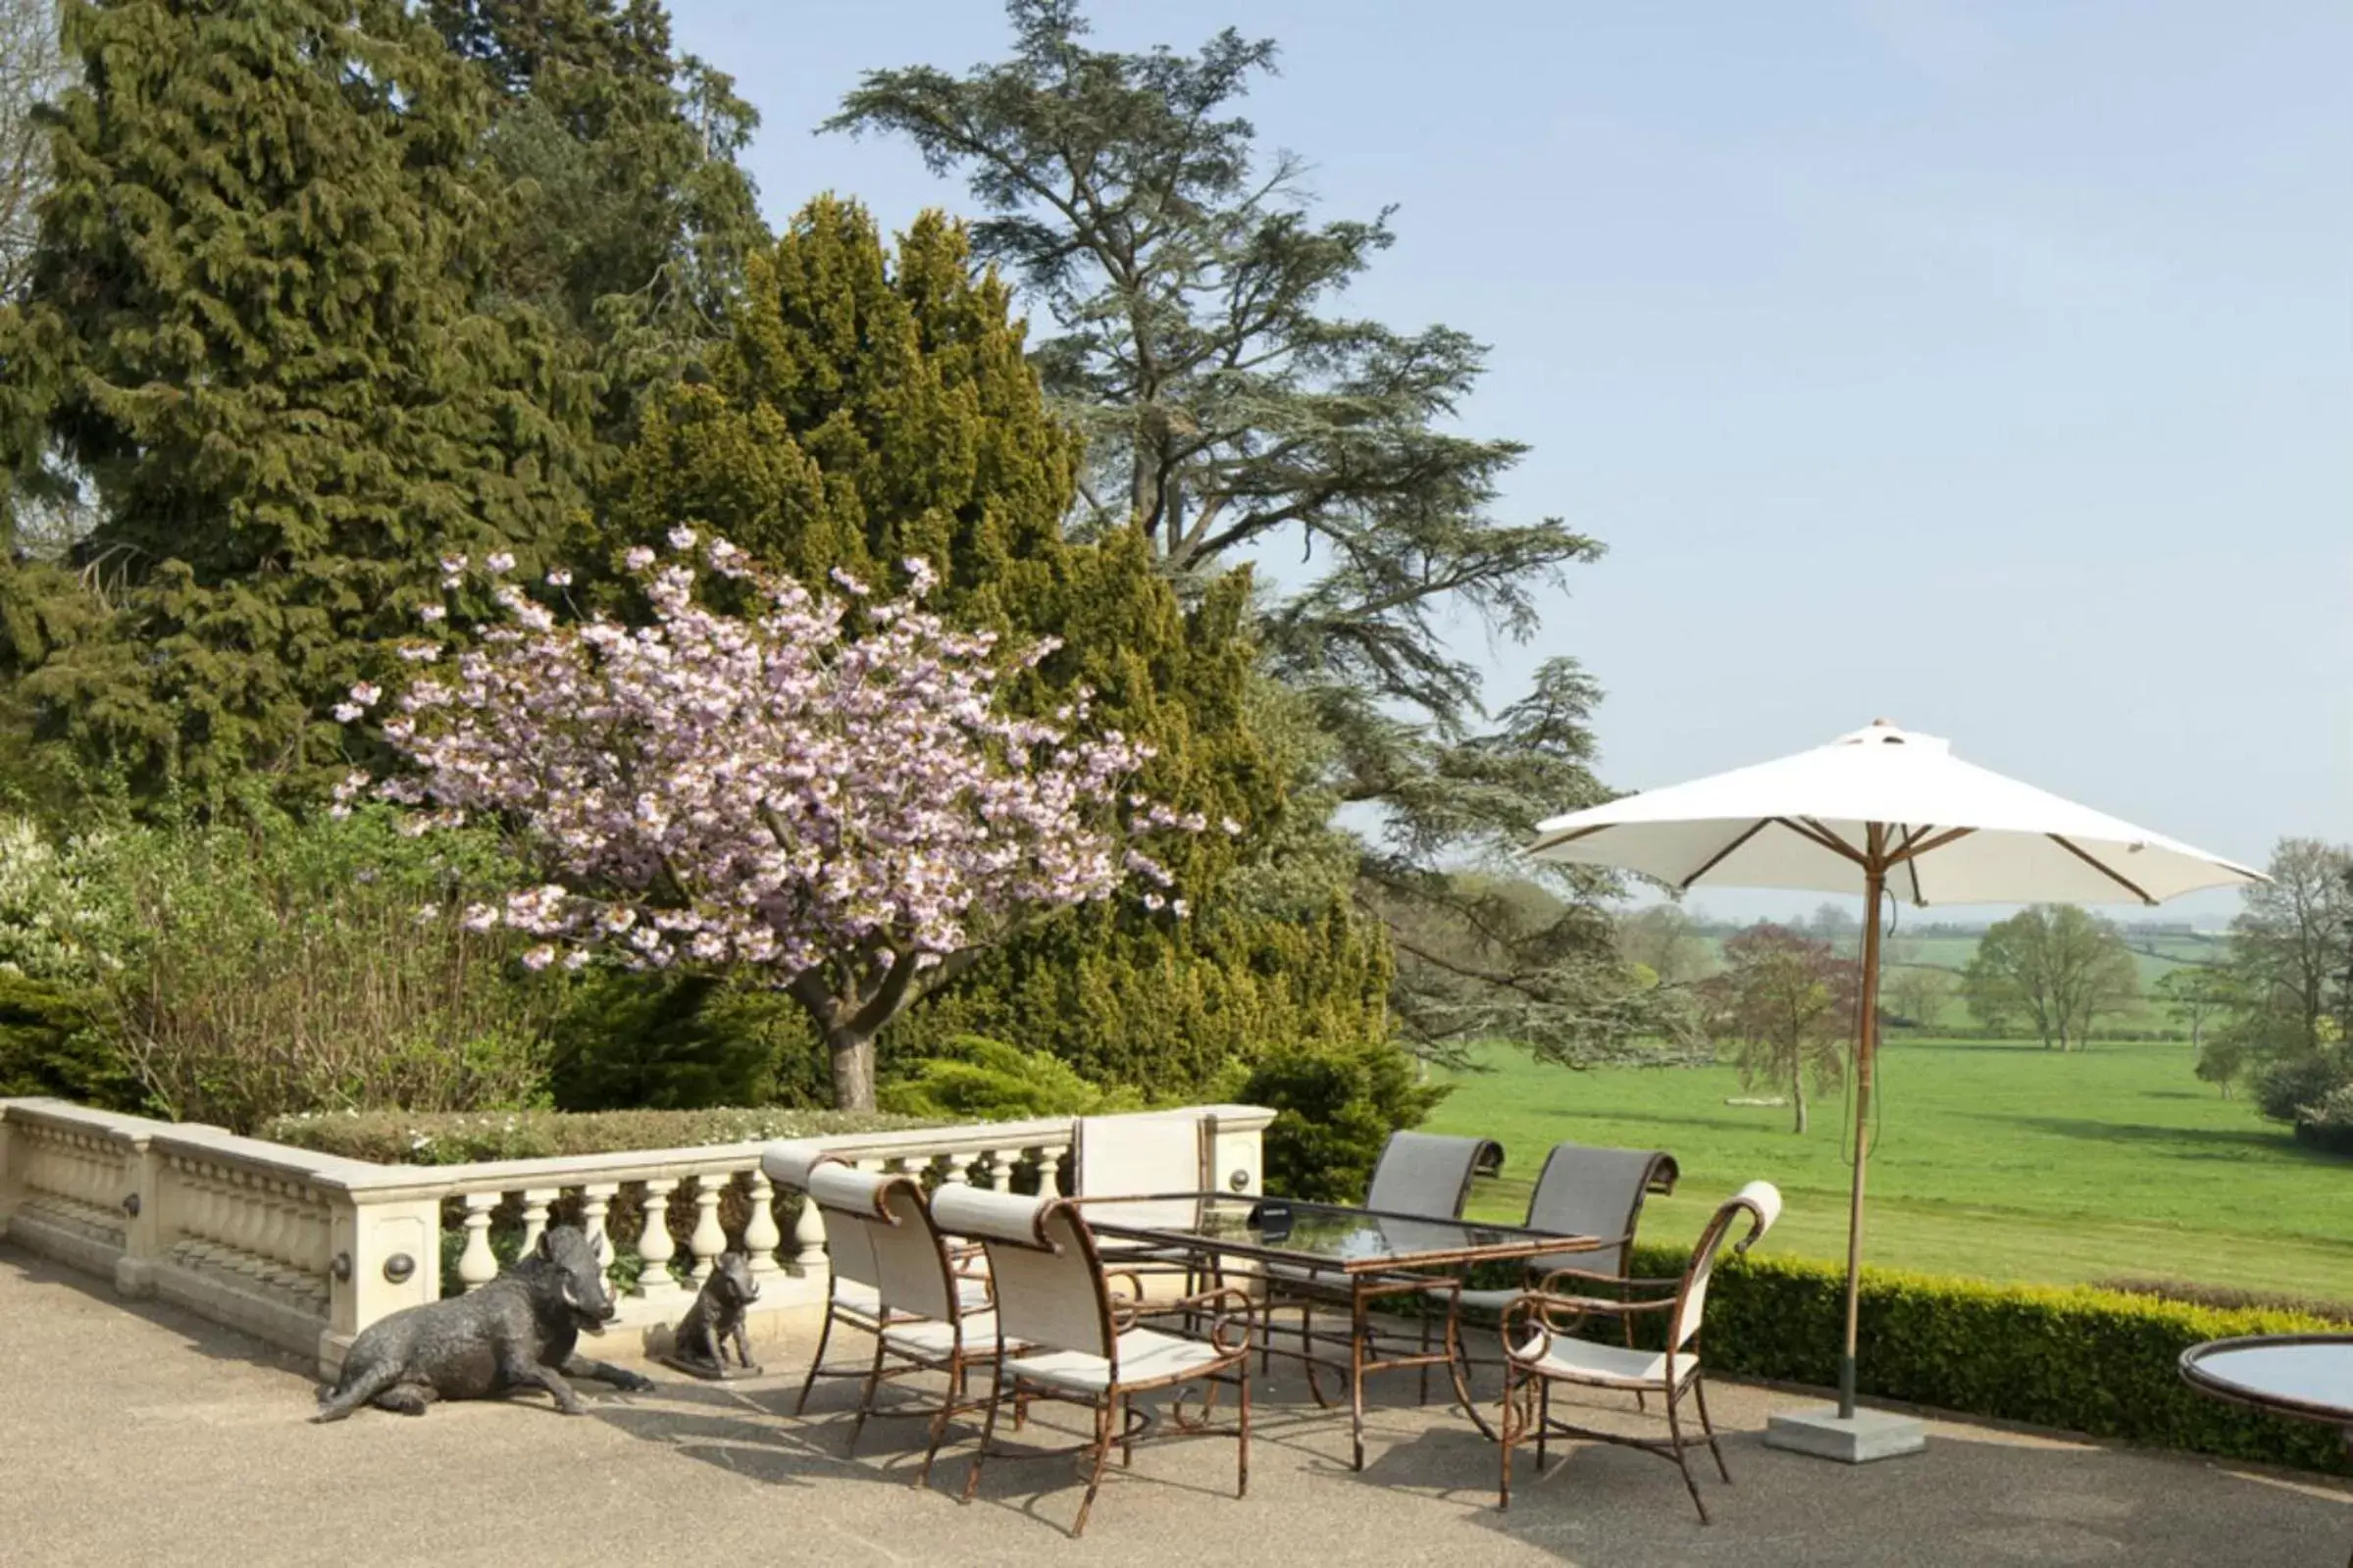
(822, 789)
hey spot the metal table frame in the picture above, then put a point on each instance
(2194, 1372)
(1422, 1274)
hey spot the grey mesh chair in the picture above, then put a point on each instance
(1061, 1334)
(1539, 1350)
(1423, 1176)
(1428, 1175)
(1584, 1190)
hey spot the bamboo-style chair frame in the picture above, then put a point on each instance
(1014, 1232)
(1536, 1319)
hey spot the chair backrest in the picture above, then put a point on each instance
(1042, 1264)
(1428, 1175)
(910, 1255)
(1761, 1201)
(1144, 1153)
(1596, 1191)
(852, 1203)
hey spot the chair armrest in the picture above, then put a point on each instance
(1241, 1314)
(1530, 1320)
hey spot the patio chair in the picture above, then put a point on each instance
(1423, 1176)
(1139, 1154)
(1428, 1175)
(854, 1292)
(1584, 1190)
(930, 1319)
(1540, 1351)
(1062, 1337)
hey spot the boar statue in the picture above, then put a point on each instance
(517, 1332)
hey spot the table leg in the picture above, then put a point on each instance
(1355, 1367)
(1457, 1363)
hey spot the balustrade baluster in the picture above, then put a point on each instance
(534, 1213)
(707, 1239)
(654, 1244)
(1052, 1162)
(808, 1238)
(1001, 1164)
(478, 1265)
(596, 1207)
(761, 1237)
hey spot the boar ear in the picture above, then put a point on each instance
(546, 1248)
(600, 1249)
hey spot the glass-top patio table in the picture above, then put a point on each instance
(2307, 1376)
(1353, 1257)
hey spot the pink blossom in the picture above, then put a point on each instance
(781, 789)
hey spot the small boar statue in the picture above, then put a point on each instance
(517, 1332)
(716, 1321)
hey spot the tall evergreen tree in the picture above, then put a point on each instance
(867, 407)
(261, 321)
(1229, 408)
(631, 216)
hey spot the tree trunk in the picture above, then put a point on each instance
(852, 1055)
(1797, 1096)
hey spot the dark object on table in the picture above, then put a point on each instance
(517, 1332)
(716, 1321)
(1270, 1220)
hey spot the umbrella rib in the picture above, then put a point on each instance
(1725, 853)
(1912, 851)
(1569, 837)
(1815, 832)
(2093, 861)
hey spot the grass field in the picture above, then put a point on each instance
(2001, 1160)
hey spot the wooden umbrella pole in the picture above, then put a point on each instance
(1875, 880)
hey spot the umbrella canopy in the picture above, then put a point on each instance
(1881, 811)
(1955, 834)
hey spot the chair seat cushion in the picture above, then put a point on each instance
(972, 1295)
(1609, 1366)
(933, 1337)
(1145, 1355)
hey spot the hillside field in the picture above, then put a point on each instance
(2001, 1160)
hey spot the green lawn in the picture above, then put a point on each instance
(2001, 1160)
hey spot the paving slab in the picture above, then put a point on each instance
(138, 1434)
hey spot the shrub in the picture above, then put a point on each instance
(673, 1041)
(49, 1044)
(2095, 1361)
(398, 1138)
(977, 1078)
(276, 966)
(1334, 1107)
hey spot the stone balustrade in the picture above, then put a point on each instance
(304, 1251)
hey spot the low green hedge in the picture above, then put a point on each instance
(2100, 1362)
(399, 1137)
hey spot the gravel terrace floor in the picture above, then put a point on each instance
(131, 1433)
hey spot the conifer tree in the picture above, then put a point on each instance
(260, 321)
(867, 407)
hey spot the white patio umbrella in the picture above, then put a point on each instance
(1881, 810)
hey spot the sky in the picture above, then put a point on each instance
(1984, 367)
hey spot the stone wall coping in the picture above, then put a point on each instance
(366, 1180)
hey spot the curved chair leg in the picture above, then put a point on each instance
(996, 1388)
(1544, 1419)
(874, 1381)
(947, 1402)
(1675, 1432)
(1242, 1459)
(1507, 1433)
(825, 1333)
(1103, 1454)
(1699, 1392)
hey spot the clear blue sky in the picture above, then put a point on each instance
(1988, 366)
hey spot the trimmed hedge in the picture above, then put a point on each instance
(2099, 1362)
(401, 1138)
